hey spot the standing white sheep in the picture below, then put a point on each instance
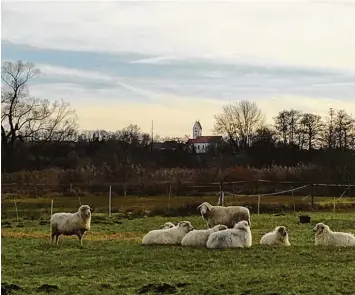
(168, 236)
(326, 237)
(228, 216)
(71, 224)
(279, 236)
(168, 225)
(237, 237)
(198, 238)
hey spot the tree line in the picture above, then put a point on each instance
(39, 133)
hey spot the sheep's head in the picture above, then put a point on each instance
(243, 225)
(168, 225)
(85, 210)
(204, 208)
(220, 227)
(281, 230)
(186, 225)
(320, 227)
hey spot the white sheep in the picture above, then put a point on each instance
(228, 216)
(237, 237)
(168, 225)
(326, 237)
(71, 224)
(198, 238)
(168, 236)
(279, 236)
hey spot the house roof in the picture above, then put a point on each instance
(205, 139)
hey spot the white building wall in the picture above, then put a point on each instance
(201, 148)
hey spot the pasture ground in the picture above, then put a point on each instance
(114, 262)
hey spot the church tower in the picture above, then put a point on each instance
(197, 129)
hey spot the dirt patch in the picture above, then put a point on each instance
(48, 288)
(7, 289)
(6, 224)
(161, 288)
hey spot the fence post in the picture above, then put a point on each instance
(16, 211)
(169, 196)
(221, 194)
(258, 204)
(51, 208)
(50, 226)
(109, 203)
(333, 205)
(293, 200)
(312, 196)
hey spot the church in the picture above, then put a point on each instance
(199, 142)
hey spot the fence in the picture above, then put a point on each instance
(261, 195)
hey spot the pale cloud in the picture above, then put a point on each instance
(312, 33)
(173, 115)
(175, 62)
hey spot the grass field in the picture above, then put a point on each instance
(114, 262)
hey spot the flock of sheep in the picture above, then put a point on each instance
(227, 227)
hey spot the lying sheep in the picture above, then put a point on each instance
(237, 237)
(71, 224)
(228, 216)
(168, 236)
(279, 236)
(198, 238)
(168, 225)
(325, 237)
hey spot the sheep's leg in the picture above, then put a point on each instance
(80, 236)
(57, 239)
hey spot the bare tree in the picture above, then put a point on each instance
(239, 121)
(282, 125)
(311, 126)
(26, 118)
(329, 134)
(295, 116)
(344, 129)
(287, 125)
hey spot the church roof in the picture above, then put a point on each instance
(199, 124)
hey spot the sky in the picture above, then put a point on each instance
(131, 62)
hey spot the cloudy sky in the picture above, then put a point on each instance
(173, 62)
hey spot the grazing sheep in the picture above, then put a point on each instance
(168, 225)
(228, 216)
(237, 237)
(168, 236)
(279, 236)
(324, 236)
(71, 224)
(198, 238)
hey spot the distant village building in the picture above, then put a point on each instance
(202, 143)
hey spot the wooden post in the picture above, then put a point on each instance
(169, 196)
(16, 211)
(124, 190)
(221, 194)
(258, 204)
(333, 205)
(293, 200)
(50, 226)
(312, 196)
(51, 208)
(109, 202)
